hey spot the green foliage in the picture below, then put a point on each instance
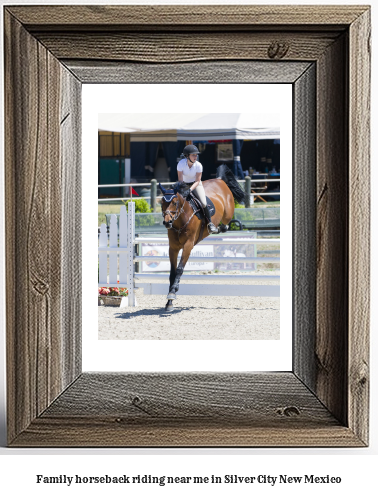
(141, 205)
(243, 214)
(107, 208)
(144, 220)
(234, 227)
(238, 205)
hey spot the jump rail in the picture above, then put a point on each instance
(121, 246)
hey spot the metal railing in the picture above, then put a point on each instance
(248, 181)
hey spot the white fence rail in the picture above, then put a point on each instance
(118, 243)
(116, 254)
(213, 277)
(219, 240)
(241, 260)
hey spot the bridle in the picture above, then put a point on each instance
(177, 215)
(176, 212)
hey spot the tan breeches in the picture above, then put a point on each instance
(199, 192)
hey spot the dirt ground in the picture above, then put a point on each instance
(194, 317)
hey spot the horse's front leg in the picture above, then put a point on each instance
(180, 269)
(173, 253)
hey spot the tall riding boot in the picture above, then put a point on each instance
(210, 225)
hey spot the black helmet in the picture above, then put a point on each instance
(188, 150)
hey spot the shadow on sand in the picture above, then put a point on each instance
(161, 312)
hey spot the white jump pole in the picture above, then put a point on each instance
(123, 248)
(130, 253)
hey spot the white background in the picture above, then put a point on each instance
(200, 355)
(356, 466)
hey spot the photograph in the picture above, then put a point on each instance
(189, 225)
(148, 141)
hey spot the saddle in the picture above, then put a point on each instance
(193, 202)
(197, 207)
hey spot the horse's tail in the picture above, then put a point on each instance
(224, 173)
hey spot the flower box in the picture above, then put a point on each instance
(114, 301)
(113, 296)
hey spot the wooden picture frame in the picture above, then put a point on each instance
(324, 52)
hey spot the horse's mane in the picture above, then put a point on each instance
(182, 188)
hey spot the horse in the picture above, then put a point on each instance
(185, 230)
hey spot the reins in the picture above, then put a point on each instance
(184, 226)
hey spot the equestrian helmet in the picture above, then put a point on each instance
(188, 150)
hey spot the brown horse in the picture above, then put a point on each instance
(185, 230)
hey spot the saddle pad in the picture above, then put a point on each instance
(196, 204)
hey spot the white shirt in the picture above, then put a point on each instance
(189, 173)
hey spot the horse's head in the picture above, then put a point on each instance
(172, 203)
(169, 209)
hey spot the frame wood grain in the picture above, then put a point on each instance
(50, 51)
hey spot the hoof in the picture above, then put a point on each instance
(169, 307)
(171, 296)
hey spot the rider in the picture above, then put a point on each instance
(190, 170)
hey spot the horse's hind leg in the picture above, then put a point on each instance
(226, 217)
(223, 228)
(228, 211)
(180, 269)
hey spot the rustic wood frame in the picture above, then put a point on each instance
(49, 52)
